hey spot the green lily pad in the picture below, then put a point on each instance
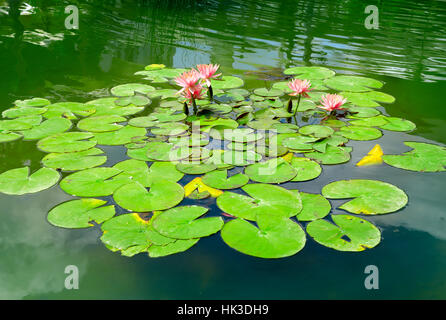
(306, 169)
(226, 82)
(362, 112)
(263, 199)
(314, 206)
(240, 158)
(370, 196)
(69, 110)
(77, 214)
(262, 124)
(183, 223)
(170, 129)
(162, 195)
(143, 122)
(272, 171)
(218, 108)
(171, 248)
(101, 123)
(316, 131)
(164, 171)
(119, 137)
(163, 93)
(136, 100)
(335, 140)
(47, 128)
(347, 234)
(67, 142)
(130, 89)
(424, 157)
(368, 99)
(370, 122)
(19, 181)
(332, 155)
(398, 124)
(196, 168)
(9, 136)
(275, 237)
(22, 112)
(219, 179)
(163, 151)
(34, 102)
(360, 133)
(14, 125)
(264, 92)
(74, 161)
(310, 72)
(107, 107)
(129, 231)
(353, 83)
(297, 142)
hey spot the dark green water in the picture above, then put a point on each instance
(39, 57)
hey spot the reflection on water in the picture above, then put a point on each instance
(254, 39)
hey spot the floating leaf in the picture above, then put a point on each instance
(118, 137)
(373, 157)
(68, 110)
(240, 158)
(275, 237)
(22, 112)
(163, 151)
(314, 206)
(360, 133)
(424, 157)
(226, 82)
(398, 124)
(130, 89)
(197, 184)
(67, 142)
(332, 155)
(162, 195)
(183, 223)
(310, 72)
(219, 179)
(262, 199)
(370, 122)
(195, 168)
(297, 142)
(353, 83)
(19, 181)
(370, 196)
(347, 234)
(9, 136)
(306, 169)
(74, 161)
(170, 128)
(34, 102)
(316, 131)
(78, 213)
(362, 112)
(47, 128)
(171, 248)
(264, 92)
(272, 171)
(367, 99)
(101, 123)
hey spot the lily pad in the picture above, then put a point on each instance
(9, 136)
(184, 223)
(272, 171)
(119, 137)
(360, 133)
(34, 102)
(398, 124)
(162, 195)
(306, 169)
(69, 110)
(163, 151)
(196, 168)
(130, 89)
(310, 72)
(47, 128)
(263, 199)
(226, 82)
(368, 99)
(136, 100)
(275, 237)
(219, 179)
(67, 142)
(22, 112)
(347, 234)
(101, 123)
(370, 122)
(353, 83)
(264, 92)
(370, 196)
(240, 158)
(77, 214)
(362, 112)
(314, 206)
(332, 155)
(424, 157)
(19, 181)
(171, 248)
(74, 161)
(316, 131)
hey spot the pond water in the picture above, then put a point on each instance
(255, 40)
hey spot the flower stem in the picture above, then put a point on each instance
(211, 93)
(185, 108)
(298, 102)
(194, 104)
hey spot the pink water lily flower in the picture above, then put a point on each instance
(194, 93)
(188, 80)
(300, 87)
(332, 102)
(207, 72)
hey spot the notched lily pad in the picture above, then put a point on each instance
(19, 181)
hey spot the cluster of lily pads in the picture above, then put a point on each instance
(240, 148)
